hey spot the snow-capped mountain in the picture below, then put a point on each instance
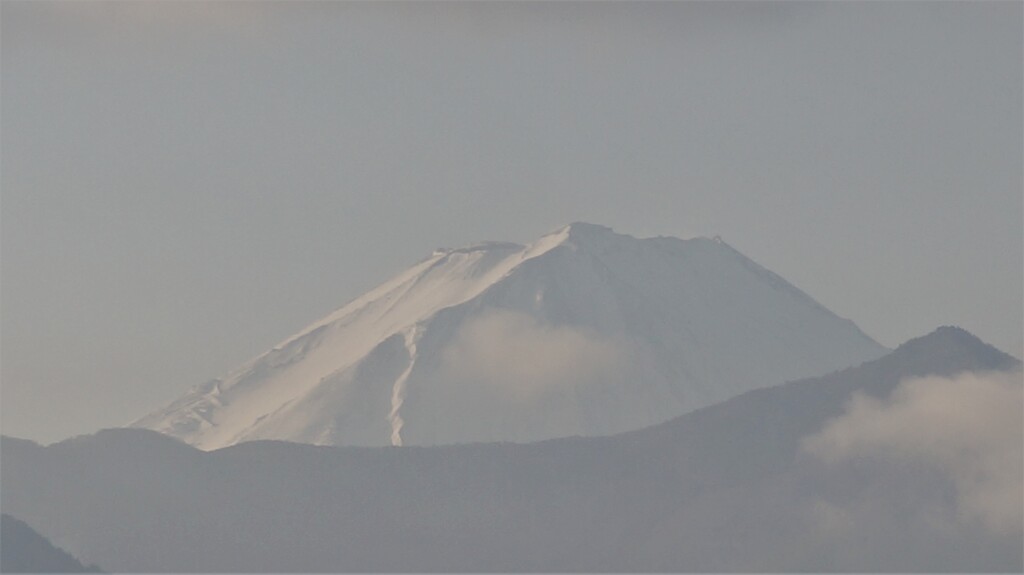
(582, 332)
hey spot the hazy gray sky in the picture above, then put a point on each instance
(185, 184)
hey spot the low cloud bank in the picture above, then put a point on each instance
(521, 356)
(971, 426)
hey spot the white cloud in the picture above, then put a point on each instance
(970, 426)
(520, 356)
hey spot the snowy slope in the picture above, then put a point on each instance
(583, 332)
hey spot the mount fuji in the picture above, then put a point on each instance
(583, 332)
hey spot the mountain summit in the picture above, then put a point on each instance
(582, 332)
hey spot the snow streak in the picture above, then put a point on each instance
(398, 391)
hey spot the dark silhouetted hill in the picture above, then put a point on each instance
(725, 488)
(22, 550)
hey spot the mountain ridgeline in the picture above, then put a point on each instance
(584, 332)
(755, 483)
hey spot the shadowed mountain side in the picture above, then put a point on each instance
(725, 488)
(23, 550)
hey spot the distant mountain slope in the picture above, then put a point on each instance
(731, 487)
(583, 332)
(22, 550)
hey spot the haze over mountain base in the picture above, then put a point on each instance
(786, 478)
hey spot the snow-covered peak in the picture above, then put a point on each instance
(575, 236)
(582, 231)
(582, 332)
